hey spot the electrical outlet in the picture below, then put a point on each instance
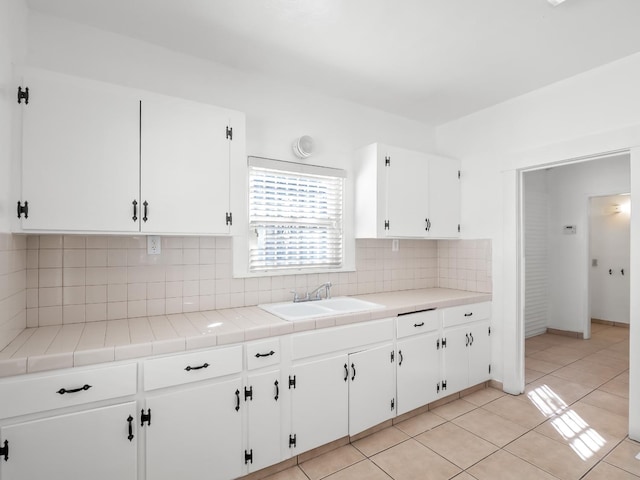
(395, 245)
(153, 245)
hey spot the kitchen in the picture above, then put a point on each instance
(493, 145)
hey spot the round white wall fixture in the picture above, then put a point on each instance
(303, 146)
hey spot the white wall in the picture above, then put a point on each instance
(569, 188)
(592, 113)
(609, 245)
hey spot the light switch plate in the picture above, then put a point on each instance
(153, 245)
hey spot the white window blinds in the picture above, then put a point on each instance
(295, 216)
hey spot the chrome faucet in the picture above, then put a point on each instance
(314, 294)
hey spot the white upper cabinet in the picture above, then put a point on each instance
(101, 158)
(80, 155)
(186, 150)
(405, 194)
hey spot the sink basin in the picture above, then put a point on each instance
(321, 308)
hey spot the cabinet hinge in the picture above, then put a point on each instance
(386, 224)
(387, 161)
(292, 382)
(444, 385)
(145, 417)
(458, 228)
(23, 209)
(229, 133)
(392, 356)
(292, 440)
(4, 451)
(444, 343)
(248, 456)
(458, 174)
(393, 404)
(229, 218)
(23, 95)
(248, 393)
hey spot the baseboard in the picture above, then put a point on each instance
(610, 323)
(566, 333)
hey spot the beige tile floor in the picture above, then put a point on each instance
(571, 423)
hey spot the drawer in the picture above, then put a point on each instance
(191, 367)
(42, 392)
(465, 314)
(417, 323)
(263, 354)
(337, 339)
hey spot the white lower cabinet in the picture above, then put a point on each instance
(319, 402)
(371, 388)
(466, 356)
(263, 399)
(195, 432)
(418, 371)
(100, 444)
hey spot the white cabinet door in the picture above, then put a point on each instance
(319, 402)
(479, 353)
(455, 358)
(444, 197)
(407, 185)
(371, 388)
(195, 433)
(80, 154)
(264, 420)
(184, 166)
(91, 444)
(418, 371)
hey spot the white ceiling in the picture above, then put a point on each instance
(433, 61)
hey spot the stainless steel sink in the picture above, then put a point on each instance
(321, 308)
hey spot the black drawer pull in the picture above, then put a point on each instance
(62, 391)
(237, 400)
(135, 210)
(471, 337)
(421, 324)
(130, 420)
(259, 355)
(277, 390)
(346, 372)
(145, 204)
(189, 368)
(353, 367)
(401, 357)
(468, 314)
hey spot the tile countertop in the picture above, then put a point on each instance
(74, 345)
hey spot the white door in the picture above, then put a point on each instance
(195, 433)
(407, 186)
(80, 154)
(184, 167)
(264, 420)
(319, 402)
(371, 388)
(479, 353)
(455, 359)
(418, 371)
(444, 197)
(91, 444)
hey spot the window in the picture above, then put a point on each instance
(295, 216)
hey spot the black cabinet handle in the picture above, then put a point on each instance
(135, 210)
(353, 367)
(421, 324)
(277, 390)
(130, 420)
(189, 367)
(258, 355)
(62, 391)
(471, 337)
(468, 314)
(237, 400)
(346, 372)
(145, 205)
(467, 335)
(401, 358)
